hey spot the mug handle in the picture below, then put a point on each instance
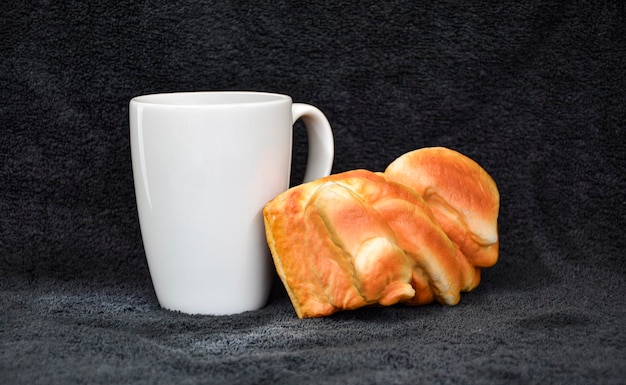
(321, 142)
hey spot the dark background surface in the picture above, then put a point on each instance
(535, 93)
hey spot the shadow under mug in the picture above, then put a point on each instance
(204, 166)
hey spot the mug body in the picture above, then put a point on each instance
(204, 166)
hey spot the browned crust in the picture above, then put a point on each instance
(361, 238)
(462, 195)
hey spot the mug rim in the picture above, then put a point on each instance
(210, 98)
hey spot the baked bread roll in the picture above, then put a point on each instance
(464, 199)
(359, 238)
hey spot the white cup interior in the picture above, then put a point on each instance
(214, 98)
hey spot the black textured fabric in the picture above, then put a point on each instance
(533, 91)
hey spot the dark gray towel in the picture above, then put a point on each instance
(536, 93)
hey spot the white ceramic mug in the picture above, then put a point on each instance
(204, 166)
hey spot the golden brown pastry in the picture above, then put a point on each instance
(358, 238)
(463, 198)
